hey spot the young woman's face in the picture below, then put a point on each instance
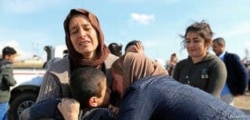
(83, 36)
(117, 83)
(195, 45)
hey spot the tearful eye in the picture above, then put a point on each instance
(187, 41)
(74, 30)
(87, 28)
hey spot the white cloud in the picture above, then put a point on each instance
(142, 18)
(28, 6)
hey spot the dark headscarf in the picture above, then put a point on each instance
(101, 50)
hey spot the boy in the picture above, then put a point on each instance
(6, 79)
(89, 90)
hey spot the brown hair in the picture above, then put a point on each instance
(101, 51)
(220, 41)
(202, 28)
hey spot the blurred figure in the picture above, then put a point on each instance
(6, 79)
(65, 53)
(247, 65)
(237, 75)
(170, 65)
(201, 69)
(134, 46)
(115, 49)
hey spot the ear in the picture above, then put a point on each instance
(93, 101)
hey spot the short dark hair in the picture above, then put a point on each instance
(86, 83)
(220, 41)
(115, 49)
(202, 28)
(173, 54)
(133, 42)
(8, 51)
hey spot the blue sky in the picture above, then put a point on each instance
(28, 25)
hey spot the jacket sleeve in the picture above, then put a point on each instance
(7, 75)
(241, 73)
(40, 111)
(217, 79)
(50, 87)
(133, 106)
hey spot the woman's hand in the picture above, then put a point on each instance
(69, 108)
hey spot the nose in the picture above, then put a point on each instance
(82, 32)
(191, 44)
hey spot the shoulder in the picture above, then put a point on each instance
(232, 55)
(215, 60)
(5, 63)
(110, 59)
(183, 62)
(58, 64)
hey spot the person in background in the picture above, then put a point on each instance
(134, 46)
(248, 68)
(85, 44)
(201, 69)
(6, 79)
(115, 49)
(170, 65)
(148, 93)
(237, 75)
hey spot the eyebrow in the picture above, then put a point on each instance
(192, 38)
(85, 25)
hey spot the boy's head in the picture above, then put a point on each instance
(89, 87)
(9, 53)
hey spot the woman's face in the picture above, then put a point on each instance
(83, 36)
(195, 45)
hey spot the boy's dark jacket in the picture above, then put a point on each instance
(6, 80)
(47, 109)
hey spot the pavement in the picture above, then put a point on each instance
(243, 103)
